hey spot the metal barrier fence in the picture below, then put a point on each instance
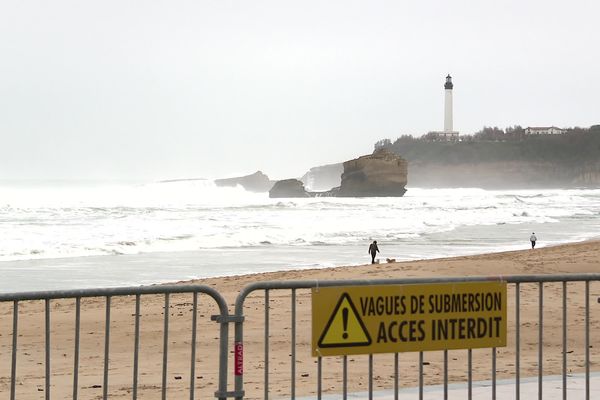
(526, 295)
(540, 342)
(132, 348)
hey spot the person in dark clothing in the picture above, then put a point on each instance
(533, 239)
(373, 249)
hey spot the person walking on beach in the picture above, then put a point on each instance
(373, 250)
(533, 239)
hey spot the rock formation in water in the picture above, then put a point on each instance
(256, 182)
(289, 188)
(381, 174)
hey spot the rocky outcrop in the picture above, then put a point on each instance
(289, 188)
(381, 174)
(256, 182)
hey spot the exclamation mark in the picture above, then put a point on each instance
(345, 322)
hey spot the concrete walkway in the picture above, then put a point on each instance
(505, 390)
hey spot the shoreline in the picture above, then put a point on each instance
(581, 257)
(169, 267)
(518, 261)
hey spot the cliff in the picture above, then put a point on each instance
(536, 161)
(489, 175)
(504, 175)
(588, 175)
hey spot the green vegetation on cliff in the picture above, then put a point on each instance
(502, 159)
(575, 147)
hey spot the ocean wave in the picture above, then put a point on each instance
(126, 243)
(176, 237)
(319, 243)
(236, 219)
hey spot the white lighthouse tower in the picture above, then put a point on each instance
(448, 86)
(449, 133)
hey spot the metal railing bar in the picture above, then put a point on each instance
(470, 373)
(193, 350)
(540, 339)
(564, 360)
(445, 374)
(239, 341)
(370, 376)
(119, 291)
(223, 352)
(493, 373)
(293, 372)
(13, 364)
(165, 347)
(76, 351)
(308, 284)
(421, 375)
(319, 377)
(587, 340)
(517, 341)
(266, 396)
(396, 376)
(345, 377)
(136, 347)
(47, 387)
(106, 348)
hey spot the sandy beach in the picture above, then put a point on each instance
(564, 259)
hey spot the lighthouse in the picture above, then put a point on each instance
(448, 133)
(448, 86)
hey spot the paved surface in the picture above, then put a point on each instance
(505, 390)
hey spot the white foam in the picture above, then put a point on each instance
(80, 219)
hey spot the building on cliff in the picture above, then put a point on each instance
(448, 133)
(544, 130)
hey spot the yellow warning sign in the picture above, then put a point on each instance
(400, 318)
(345, 328)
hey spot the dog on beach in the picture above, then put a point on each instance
(390, 260)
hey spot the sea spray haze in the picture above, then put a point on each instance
(103, 231)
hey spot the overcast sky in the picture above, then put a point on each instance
(181, 89)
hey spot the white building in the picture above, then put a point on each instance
(544, 130)
(452, 135)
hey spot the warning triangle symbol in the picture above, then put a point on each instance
(345, 328)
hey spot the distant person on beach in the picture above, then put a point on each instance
(373, 250)
(533, 240)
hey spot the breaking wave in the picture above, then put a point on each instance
(74, 220)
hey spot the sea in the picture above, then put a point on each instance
(87, 234)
